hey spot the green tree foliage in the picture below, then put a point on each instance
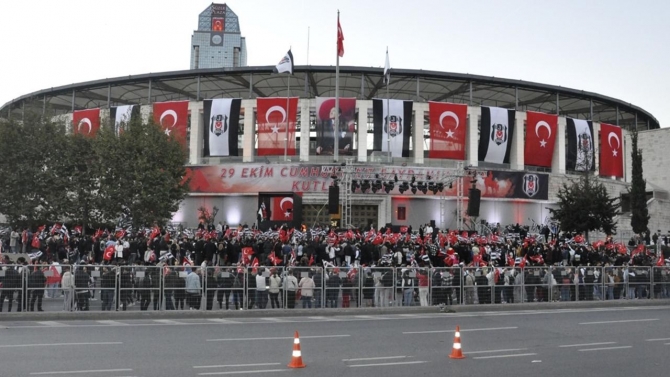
(584, 205)
(49, 175)
(639, 219)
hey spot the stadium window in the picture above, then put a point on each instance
(402, 213)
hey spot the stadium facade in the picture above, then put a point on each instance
(406, 167)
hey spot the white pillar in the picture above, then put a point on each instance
(196, 135)
(248, 106)
(472, 139)
(305, 107)
(417, 131)
(363, 107)
(596, 147)
(558, 159)
(516, 157)
(145, 111)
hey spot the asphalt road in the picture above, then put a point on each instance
(551, 342)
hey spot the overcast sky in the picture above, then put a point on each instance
(616, 48)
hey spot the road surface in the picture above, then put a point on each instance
(553, 342)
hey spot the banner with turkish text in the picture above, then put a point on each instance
(173, 119)
(276, 126)
(541, 130)
(448, 125)
(86, 122)
(611, 151)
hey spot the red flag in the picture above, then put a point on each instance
(311, 259)
(109, 253)
(282, 209)
(254, 264)
(247, 252)
(173, 119)
(541, 130)
(86, 122)
(522, 265)
(273, 118)
(660, 262)
(340, 38)
(611, 151)
(448, 122)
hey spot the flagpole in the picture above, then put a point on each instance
(336, 133)
(388, 112)
(288, 114)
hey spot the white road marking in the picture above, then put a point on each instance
(169, 322)
(242, 372)
(221, 320)
(605, 348)
(325, 319)
(622, 321)
(80, 371)
(387, 364)
(586, 344)
(234, 365)
(272, 319)
(494, 351)
(376, 358)
(657, 340)
(60, 344)
(112, 323)
(536, 361)
(462, 330)
(53, 324)
(279, 338)
(502, 356)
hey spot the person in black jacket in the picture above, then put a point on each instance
(107, 286)
(10, 282)
(36, 283)
(81, 280)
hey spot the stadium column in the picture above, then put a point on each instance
(145, 112)
(305, 109)
(363, 106)
(249, 136)
(417, 131)
(197, 137)
(596, 147)
(558, 159)
(474, 112)
(516, 156)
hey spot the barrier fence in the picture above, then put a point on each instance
(141, 288)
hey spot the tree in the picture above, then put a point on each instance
(639, 214)
(141, 173)
(29, 152)
(585, 205)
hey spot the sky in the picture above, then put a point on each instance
(612, 47)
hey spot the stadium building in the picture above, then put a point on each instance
(408, 159)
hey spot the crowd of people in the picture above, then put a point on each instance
(244, 268)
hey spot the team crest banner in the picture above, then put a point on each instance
(392, 126)
(222, 118)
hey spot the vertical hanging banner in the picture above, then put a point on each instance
(448, 123)
(273, 119)
(222, 122)
(611, 151)
(580, 155)
(541, 130)
(495, 137)
(120, 116)
(173, 119)
(86, 122)
(325, 125)
(392, 126)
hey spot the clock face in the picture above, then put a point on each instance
(216, 39)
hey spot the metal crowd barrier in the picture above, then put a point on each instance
(56, 288)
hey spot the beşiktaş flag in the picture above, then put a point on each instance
(86, 122)
(611, 151)
(121, 116)
(285, 64)
(495, 138)
(222, 118)
(173, 118)
(580, 145)
(393, 126)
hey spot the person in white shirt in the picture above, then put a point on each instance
(14, 242)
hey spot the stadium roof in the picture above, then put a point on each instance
(312, 81)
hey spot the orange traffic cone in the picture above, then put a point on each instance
(456, 352)
(296, 358)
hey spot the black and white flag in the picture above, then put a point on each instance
(222, 118)
(121, 116)
(393, 126)
(495, 138)
(580, 155)
(285, 64)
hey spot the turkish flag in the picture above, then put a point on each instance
(109, 253)
(448, 122)
(611, 151)
(340, 38)
(282, 209)
(273, 119)
(86, 122)
(173, 119)
(541, 130)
